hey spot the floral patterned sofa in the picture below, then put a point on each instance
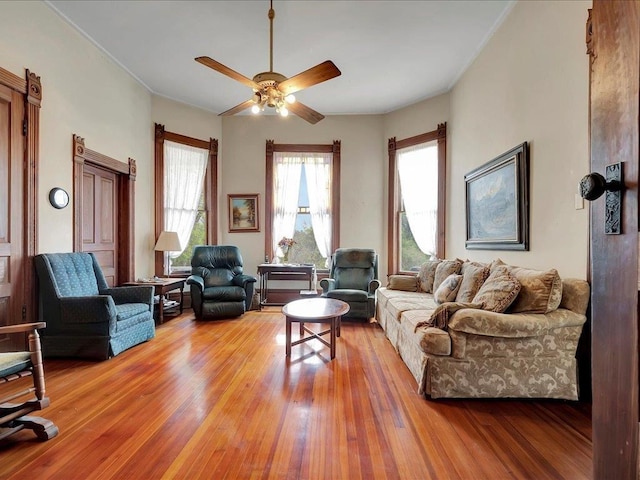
(467, 329)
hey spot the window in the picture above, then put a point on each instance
(302, 192)
(185, 179)
(417, 167)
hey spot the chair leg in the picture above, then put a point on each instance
(43, 428)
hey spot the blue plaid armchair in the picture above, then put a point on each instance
(85, 317)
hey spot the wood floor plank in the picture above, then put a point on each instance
(220, 399)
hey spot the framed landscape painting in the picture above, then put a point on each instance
(243, 212)
(497, 202)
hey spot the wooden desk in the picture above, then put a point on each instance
(315, 310)
(161, 287)
(279, 271)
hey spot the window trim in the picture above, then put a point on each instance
(393, 248)
(210, 186)
(333, 148)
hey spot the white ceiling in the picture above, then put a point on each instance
(391, 53)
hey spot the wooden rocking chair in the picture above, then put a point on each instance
(13, 366)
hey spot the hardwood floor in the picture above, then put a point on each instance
(220, 400)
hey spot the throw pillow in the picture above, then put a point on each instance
(448, 289)
(444, 269)
(473, 276)
(541, 290)
(498, 291)
(427, 274)
(407, 283)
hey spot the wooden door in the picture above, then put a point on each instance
(614, 102)
(12, 300)
(100, 219)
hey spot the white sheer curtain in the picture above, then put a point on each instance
(184, 171)
(418, 172)
(317, 168)
(286, 180)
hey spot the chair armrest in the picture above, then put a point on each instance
(22, 327)
(130, 294)
(242, 280)
(89, 309)
(327, 284)
(196, 280)
(373, 286)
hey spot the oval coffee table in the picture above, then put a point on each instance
(315, 310)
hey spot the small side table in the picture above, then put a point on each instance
(314, 310)
(162, 286)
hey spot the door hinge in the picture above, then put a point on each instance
(24, 127)
(24, 312)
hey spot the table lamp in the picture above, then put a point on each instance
(168, 242)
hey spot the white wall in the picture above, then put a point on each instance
(362, 207)
(530, 83)
(84, 93)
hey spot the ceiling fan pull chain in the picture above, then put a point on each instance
(272, 14)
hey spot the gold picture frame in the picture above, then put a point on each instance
(244, 212)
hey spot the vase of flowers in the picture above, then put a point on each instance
(285, 245)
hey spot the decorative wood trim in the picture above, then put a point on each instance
(268, 200)
(270, 148)
(392, 208)
(442, 190)
(33, 99)
(393, 145)
(126, 202)
(589, 36)
(34, 89)
(210, 181)
(13, 81)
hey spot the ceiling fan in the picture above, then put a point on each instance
(272, 89)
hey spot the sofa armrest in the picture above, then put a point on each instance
(373, 286)
(130, 294)
(196, 281)
(89, 309)
(482, 322)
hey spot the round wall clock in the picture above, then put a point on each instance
(58, 197)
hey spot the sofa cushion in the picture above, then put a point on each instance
(407, 283)
(431, 340)
(348, 295)
(444, 269)
(448, 289)
(498, 291)
(474, 275)
(427, 275)
(410, 301)
(541, 291)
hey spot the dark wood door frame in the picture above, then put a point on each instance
(613, 42)
(126, 218)
(31, 89)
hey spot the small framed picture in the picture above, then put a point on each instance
(243, 212)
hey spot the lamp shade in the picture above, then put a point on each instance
(168, 242)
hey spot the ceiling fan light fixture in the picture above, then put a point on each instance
(274, 90)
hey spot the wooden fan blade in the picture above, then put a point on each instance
(304, 112)
(237, 108)
(318, 74)
(223, 69)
